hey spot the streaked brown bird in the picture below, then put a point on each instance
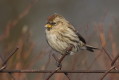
(61, 35)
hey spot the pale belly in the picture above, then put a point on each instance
(60, 45)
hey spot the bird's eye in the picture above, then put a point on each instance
(52, 23)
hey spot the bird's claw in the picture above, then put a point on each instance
(58, 64)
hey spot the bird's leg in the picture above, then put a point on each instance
(57, 61)
(64, 55)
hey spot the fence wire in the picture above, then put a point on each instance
(111, 70)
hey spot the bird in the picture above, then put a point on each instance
(61, 35)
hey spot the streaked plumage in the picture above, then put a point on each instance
(61, 34)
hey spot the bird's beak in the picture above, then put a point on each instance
(48, 26)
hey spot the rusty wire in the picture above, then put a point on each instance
(5, 60)
(111, 68)
(60, 71)
(59, 66)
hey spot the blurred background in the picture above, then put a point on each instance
(22, 25)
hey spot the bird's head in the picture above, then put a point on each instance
(54, 21)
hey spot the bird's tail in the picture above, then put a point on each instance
(90, 48)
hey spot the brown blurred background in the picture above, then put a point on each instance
(22, 24)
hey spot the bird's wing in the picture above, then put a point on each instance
(81, 38)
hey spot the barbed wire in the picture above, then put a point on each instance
(111, 70)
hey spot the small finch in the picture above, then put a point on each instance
(60, 35)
